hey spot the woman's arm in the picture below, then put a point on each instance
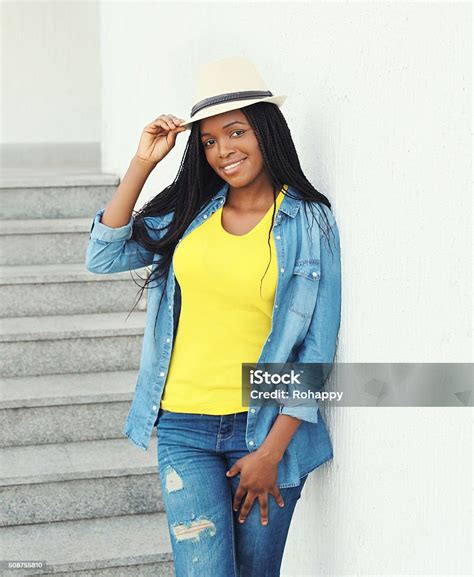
(119, 209)
(110, 246)
(110, 249)
(278, 438)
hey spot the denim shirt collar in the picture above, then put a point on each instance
(289, 206)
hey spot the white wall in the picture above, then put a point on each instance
(50, 72)
(379, 108)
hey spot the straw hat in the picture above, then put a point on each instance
(227, 84)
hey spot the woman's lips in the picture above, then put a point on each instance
(234, 169)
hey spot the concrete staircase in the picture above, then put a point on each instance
(75, 493)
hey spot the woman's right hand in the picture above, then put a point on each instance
(158, 138)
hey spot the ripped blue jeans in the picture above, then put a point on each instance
(194, 453)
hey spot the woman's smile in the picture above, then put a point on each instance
(233, 168)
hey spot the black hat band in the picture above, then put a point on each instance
(228, 97)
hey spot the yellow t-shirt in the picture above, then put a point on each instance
(223, 321)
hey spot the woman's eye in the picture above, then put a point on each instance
(211, 139)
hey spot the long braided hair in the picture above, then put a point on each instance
(196, 183)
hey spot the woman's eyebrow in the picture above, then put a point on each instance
(225, 126)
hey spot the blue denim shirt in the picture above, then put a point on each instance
(304, 326)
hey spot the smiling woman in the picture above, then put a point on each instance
(235, 153)
(247, 279)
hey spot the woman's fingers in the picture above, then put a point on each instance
(159, 124)
(172, 121)
(263, 499)
(159, 137)
(239, 495)
(249, 499)
(177, 120)
(167, 121)
(278, 498)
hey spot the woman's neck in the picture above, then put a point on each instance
(250, 198)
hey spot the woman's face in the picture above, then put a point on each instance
(228, 138)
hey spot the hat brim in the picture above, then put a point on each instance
(227, 106)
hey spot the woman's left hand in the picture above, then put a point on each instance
(258, 477)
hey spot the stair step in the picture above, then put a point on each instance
(45, 226)
(64, 408)
(66, 389)
(53, 273)
(36, 464)
(43, 241)
(56, 179)
(121, 542)
(54, 195)
(71, 343)
(71, 326)
(87, 479)
(61, 289)
(63, 423)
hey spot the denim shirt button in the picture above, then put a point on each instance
(282, 270)
(276, 306)
(314, 273)
(252, 410)
(154, 407)
(278, 237)
(269, 339)
(169, 306)
(205, 216)
(162, 374)
(251, 443)
(168, 340)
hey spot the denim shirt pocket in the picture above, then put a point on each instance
(304, 287)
